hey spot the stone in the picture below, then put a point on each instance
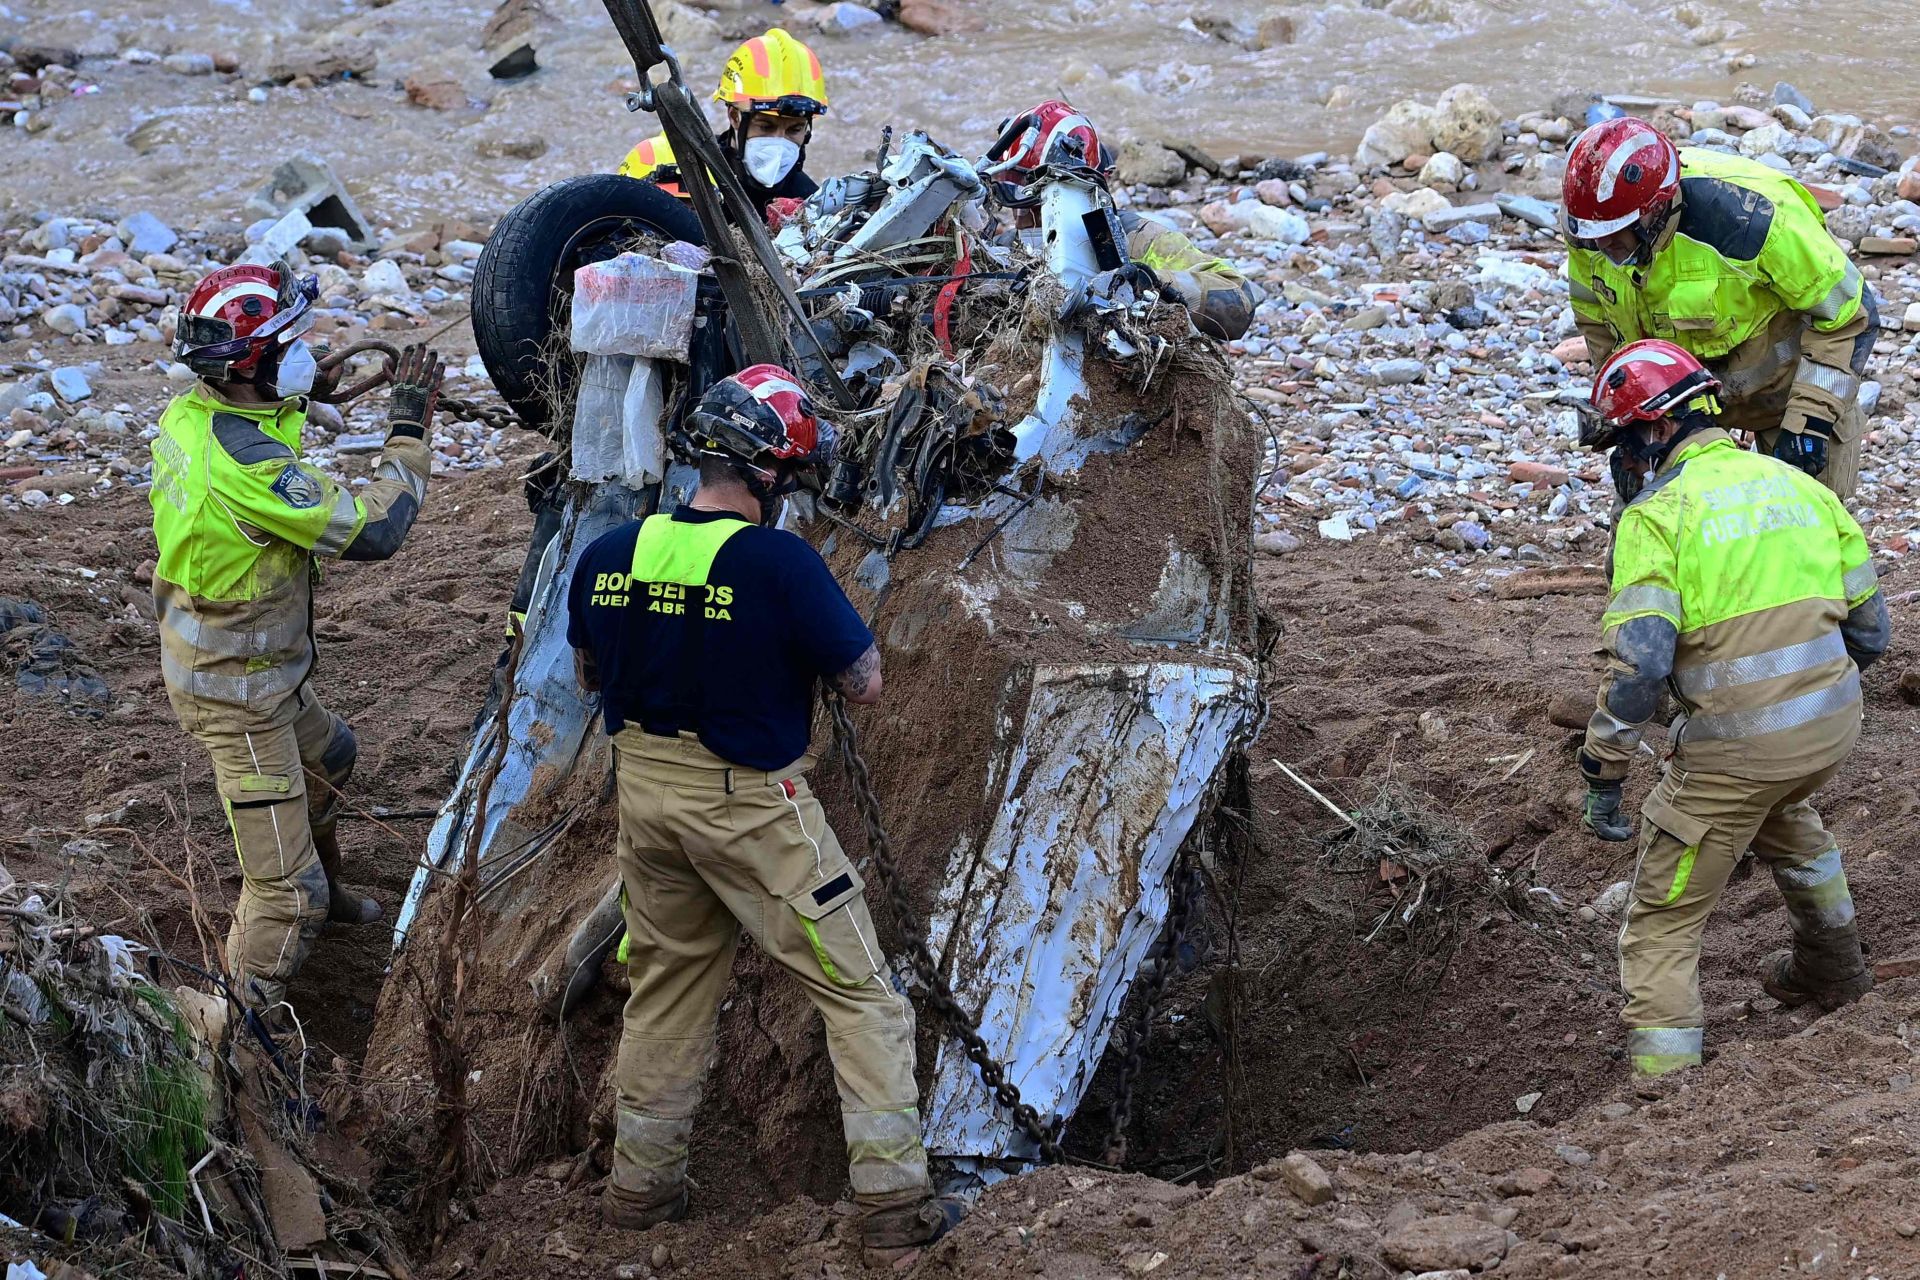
(385, 279)
(1265, 222)
(1536, 473)
(1306, 1179)
(1786, 95)
(336, 57)
(512, 61)
(509, 148)
(1613, 899)
(1530, 1181)
(1448, 1241)
(1828, 198)
(1526, 1102)
(1543, 175)
(1273, 192)
(437, 92)
(188, 64)
(936, 17)
(1469, 233)
(67, 318)
(1394, 373)
(71, 384)
(1444, 168)
(1743, 117)
(1407, 127)
(1570, 350)
(1336, 529)
(1418, 203)
(1768, 139)
(1276, 542)
(34, 58)
(1850, 223)
(1898, 246)
(848, 16)
(304, 183)
(1576, 1156)
(1144, 163)
(146, 234)
(1454, 215)
(1535, 213)
(1908, 187)
(1274, 30)
(1466, 124)
(1910, 321)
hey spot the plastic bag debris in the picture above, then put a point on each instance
(633, 305)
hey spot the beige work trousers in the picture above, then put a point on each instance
(1694, 827)
(273, 807)
(704, 850)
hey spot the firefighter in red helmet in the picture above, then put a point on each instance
(241, 523)
(1732, 261)
(1743, 587)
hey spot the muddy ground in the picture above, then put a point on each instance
(1288, 1030)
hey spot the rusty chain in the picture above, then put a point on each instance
(497, 416)
(1186, 885)
(993, 1074)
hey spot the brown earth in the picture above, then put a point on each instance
(1407, 1044)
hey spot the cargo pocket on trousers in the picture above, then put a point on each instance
(834, 917)
(1687, 834)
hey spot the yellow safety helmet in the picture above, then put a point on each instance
(647, 156)
(776, 73)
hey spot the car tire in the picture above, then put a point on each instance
(523, 283)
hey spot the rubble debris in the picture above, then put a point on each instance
(306, 185)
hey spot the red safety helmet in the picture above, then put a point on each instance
(1620, 173)
(762, 412)
(1055, 136)
(1643, 382)
(237, 313)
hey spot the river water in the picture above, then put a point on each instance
(1137, 66)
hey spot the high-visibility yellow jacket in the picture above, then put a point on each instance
(1743, 585)
(1747, 245)
(240, 520)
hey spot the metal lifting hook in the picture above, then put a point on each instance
(390, 355)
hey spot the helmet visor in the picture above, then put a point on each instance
(787, 104)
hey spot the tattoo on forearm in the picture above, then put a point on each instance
(856, 677)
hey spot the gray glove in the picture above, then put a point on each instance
(1601, 813)
(416, 389)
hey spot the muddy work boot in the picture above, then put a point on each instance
(624, 1211)
(344, 906)
(1789, 982)
(889, 1231)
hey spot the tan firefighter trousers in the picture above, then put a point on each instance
(278, 787)
(1694, 827)
(704, 850)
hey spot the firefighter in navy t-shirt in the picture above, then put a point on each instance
(704, 632)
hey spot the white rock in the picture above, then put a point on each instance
(188, 64)
(1441, 219)
(66, 318)
(1336, 529)
(1445, 168)
(1269, 222)
(1417, 203)
(1768, 139)
(71, 384)
(1406, 128)
(1466, 123)
(1911, 320)
(385, 277)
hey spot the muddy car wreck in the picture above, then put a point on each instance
(1041, 500)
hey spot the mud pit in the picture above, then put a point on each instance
(1334, 1042)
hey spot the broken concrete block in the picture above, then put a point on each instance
(305, 184)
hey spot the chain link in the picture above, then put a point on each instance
(993, 1074)
(1185, 888)
(497, 416)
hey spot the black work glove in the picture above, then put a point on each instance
(1601, 814)
(1807, 449)
(416, 389)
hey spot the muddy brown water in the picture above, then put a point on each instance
(1131, 63)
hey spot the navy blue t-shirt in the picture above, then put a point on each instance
(725, 643)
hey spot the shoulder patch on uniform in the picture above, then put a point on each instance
(245, 442)
(1727, 218)
(297, 489)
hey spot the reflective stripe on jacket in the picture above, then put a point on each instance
(238, 520)
(1747, 245)
(1755, 565)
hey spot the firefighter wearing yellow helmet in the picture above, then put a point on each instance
(773, 88)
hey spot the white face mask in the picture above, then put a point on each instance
(295, 375)
(769, 160)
